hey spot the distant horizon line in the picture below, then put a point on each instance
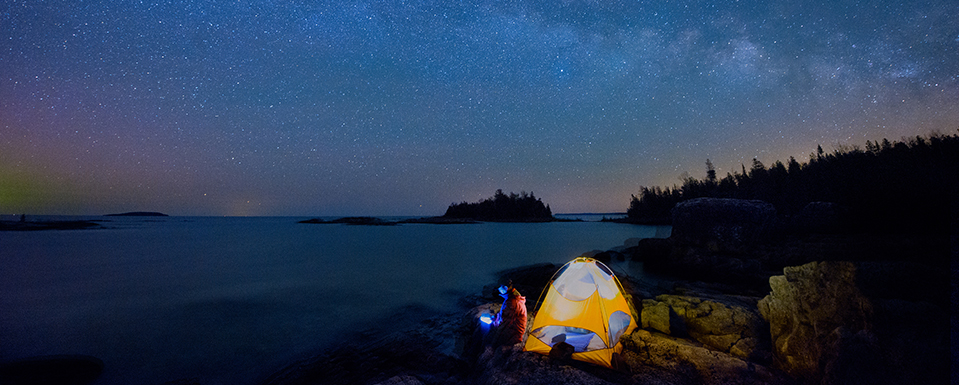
(17, 216)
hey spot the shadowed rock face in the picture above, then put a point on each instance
(722, 225)
(806, 305)
(821, 217)
(713, 240)
(829, 326)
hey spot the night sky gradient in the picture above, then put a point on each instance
(403, 107)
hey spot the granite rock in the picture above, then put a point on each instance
(830, 324)
(730, 326)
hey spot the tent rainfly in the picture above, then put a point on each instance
(586, 308)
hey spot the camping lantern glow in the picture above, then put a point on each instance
(486, 319)
(485, 322)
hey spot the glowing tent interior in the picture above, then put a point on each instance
(585, 306)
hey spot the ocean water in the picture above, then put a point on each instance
(229, 300)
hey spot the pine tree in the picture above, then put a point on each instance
(710, 172)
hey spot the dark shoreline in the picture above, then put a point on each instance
(376, 221)
(430, 350)
(47, 225)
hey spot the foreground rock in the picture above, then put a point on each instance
(648, 358)
(731, 326)
(656, 358)
(511, 365)
(844, 322)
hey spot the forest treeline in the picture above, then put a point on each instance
(905, 185)
(502, 207)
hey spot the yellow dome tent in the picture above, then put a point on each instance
(586, 308)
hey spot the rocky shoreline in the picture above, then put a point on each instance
(743, 302)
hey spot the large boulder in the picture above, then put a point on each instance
(722, 225)
(716, 240)
(657, 358)
(807, 304)
(656, 316)
(822, 218)
(732, 327)
(843, 322)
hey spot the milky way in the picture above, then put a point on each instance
(403, 107)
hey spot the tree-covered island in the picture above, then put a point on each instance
(500, 207)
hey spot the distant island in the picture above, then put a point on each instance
(364, 221)
(514, 207)
(138, 214)
(500, 207)
(373, 221)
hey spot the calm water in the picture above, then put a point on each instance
(230, 300)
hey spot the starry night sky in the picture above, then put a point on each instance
(403, 107)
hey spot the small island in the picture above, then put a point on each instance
(503, 208)
(138, 214)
